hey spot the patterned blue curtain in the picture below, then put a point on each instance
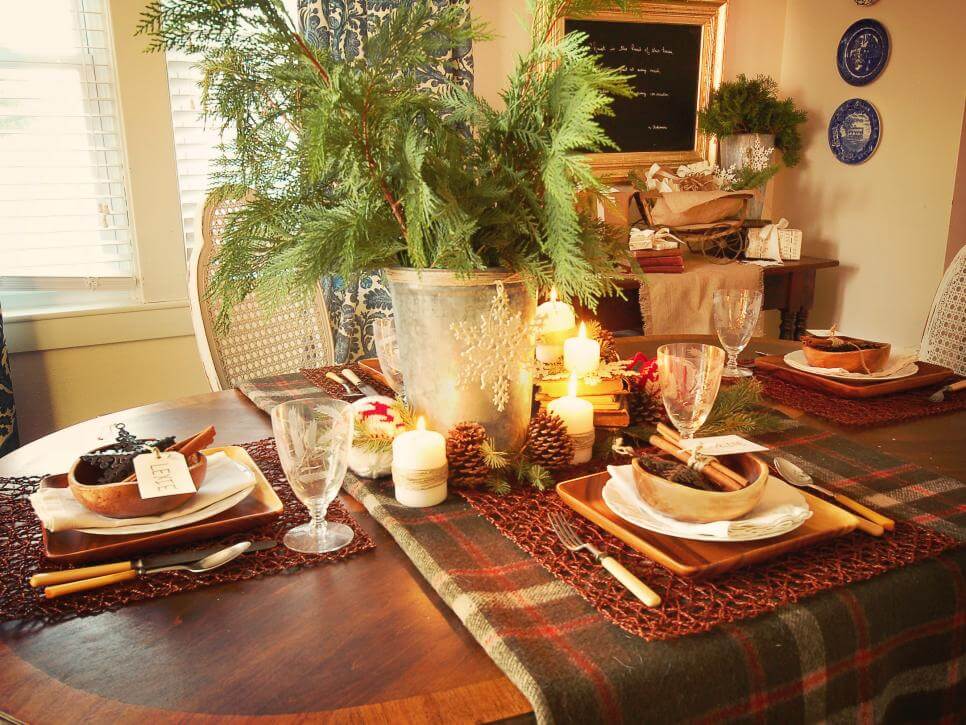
(342, 25)
(8, 414)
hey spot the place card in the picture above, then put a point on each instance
(162, 474)
(722, 445)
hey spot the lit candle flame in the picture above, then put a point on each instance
(553, 294)
(583, 331)
(572, 386)
(421, 423)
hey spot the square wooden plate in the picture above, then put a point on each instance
(259, 507)
(928, 374)
(701, 559)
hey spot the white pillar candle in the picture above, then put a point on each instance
(554, 321)
(578, 416)
(581, 354)
(419, 467)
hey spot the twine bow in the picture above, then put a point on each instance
(766, 231)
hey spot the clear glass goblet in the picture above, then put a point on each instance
(387, 349)
(690, 376)
(736, 313)
(313, 437)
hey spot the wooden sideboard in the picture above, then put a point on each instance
(789, 288)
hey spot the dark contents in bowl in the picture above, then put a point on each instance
(115, 463)
(675, 472)
(839, 343)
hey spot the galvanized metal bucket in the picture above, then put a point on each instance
(734, 152)
(426, 305)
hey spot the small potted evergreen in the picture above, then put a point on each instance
(749, 120)
(355, 164)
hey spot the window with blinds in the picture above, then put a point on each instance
(196, 140)
(65, 232)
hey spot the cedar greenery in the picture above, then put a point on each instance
(752, 106)
(353, 164)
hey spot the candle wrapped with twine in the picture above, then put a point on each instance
(418, 487)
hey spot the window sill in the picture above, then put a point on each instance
(58, 329)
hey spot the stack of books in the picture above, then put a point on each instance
(660, 261)
(608, 398)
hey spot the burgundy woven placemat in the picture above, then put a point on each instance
(21, 553)
(860, 412)
(690, 607)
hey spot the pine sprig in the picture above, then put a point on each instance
(352, 164)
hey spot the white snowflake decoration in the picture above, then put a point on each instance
(759, 157)
(495, 349)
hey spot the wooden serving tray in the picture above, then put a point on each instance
(928, 374)
(701, 559)
(75, 547)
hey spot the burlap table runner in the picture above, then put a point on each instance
(680, 304)
(21, 553)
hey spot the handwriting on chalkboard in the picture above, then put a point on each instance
(664, 62)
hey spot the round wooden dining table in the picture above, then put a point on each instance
(362, 639)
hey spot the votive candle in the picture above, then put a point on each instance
(419, 467)
(578, 417)
(581, 354)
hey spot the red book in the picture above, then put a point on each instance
(660, 261)
(643, 253)
(663, 270)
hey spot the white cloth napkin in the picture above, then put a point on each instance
(58, 510)
(897, 361)
(762, 518)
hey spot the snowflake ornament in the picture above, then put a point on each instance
(759, 157)
(495, 349)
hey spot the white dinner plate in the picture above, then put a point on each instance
(200, 515)
(797, 360)
(633, 510)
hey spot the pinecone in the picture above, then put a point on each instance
(464, 453)
(608, 347)
(644, 408)
(547, 441)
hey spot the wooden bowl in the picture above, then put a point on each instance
(691, 504)
(123, 500)
(871, 360)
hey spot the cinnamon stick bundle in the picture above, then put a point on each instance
(722, 476)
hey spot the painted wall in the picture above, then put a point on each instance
(57, 388)
(888, 219)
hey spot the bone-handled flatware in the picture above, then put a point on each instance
(212, 561)
(568, 537)
(871, 522)
(48, 578)
(940, 395)
(334, 377)
(357, 381)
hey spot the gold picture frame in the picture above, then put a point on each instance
(710, 15)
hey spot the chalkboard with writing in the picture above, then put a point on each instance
(665, 60)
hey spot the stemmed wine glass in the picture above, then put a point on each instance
(387, 350)
(736, 313)
(690, 377)
(313, 437)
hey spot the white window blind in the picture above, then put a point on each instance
(196, 140)
(64, 222)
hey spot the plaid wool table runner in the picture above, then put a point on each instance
(889, 648)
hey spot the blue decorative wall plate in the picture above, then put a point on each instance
(863, 52)
(853, 132)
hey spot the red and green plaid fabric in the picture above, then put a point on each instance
(888, 648)
(885, 649)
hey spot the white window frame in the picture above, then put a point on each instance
(161, 306)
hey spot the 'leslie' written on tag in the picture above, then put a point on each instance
(162, 474)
